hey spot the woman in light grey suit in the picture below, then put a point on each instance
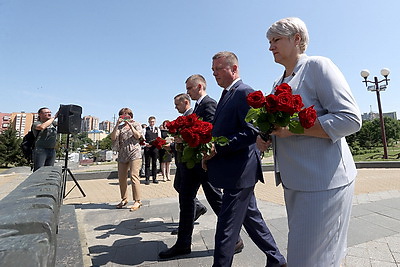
(316, 168)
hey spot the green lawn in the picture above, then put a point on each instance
(393, 154)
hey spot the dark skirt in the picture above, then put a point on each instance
(165, 156)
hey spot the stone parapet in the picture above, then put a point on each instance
(29, 220)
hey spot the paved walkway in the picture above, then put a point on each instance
(112, 237)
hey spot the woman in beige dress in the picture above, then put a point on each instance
(126, 138)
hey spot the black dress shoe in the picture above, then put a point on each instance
(173, 252)
(199, 213)
(147, 182)
(239, 246)
(175, 231)
(155, 181)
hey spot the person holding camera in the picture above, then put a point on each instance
(45, 132)
(126, 140)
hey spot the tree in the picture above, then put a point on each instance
(392, 129)
(81, 140)
(370, 134)
(106, 143)
(10, 151)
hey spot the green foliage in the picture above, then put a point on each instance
(81, 140)
(10, 151)
(106, 143)
(369, 138)
(193, 155)
(265, 121)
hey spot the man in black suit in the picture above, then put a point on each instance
(236, 168)
(151, 152)
(191, 179)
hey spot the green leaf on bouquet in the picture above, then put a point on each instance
(188, 153)
(264, 126)
(282, 119)
(271, 118)
(295, 127)
(220, 140)
(252, 114)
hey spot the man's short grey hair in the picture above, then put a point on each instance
(230, 57)
(288, 27)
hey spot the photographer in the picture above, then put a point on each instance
(45, 133)
(126, 140)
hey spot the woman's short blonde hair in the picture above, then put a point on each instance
(288, 27)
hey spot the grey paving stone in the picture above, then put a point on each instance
(69, 251)
(379, 251)
(383, 220)
(375, 263)
(352, 261)
(361, 231)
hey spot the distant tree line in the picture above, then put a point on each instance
(370, 138)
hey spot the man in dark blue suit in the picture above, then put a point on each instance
(236, 168)
(182, 105)
(191, 179)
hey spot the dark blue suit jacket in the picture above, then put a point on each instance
(238, 164)
(206, 109)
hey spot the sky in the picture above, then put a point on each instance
(106, 55)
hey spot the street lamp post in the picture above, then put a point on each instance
(377, 88)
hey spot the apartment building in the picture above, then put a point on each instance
(371, 116)
(22, 122)
(106, 126)
(90, 123)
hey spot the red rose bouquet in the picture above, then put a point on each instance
(197, 137)
(281, 108)
(159, 142)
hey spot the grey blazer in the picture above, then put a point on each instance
(313, 164)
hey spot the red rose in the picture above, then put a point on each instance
(178, 124)
(190, 137)
(297, 103)
(285, 103)
(172, 127)
(204, 129)
(271, 103)
(191, 119)
(256, 99)
(180, 121)
(142, 142)
(158, 142)
(307, 117)
(283, 88)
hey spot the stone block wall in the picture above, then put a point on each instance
(29, 220)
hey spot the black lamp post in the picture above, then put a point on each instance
(377, 88)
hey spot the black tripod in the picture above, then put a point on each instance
(65, 172)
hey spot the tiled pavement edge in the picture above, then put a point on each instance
(122, 238)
